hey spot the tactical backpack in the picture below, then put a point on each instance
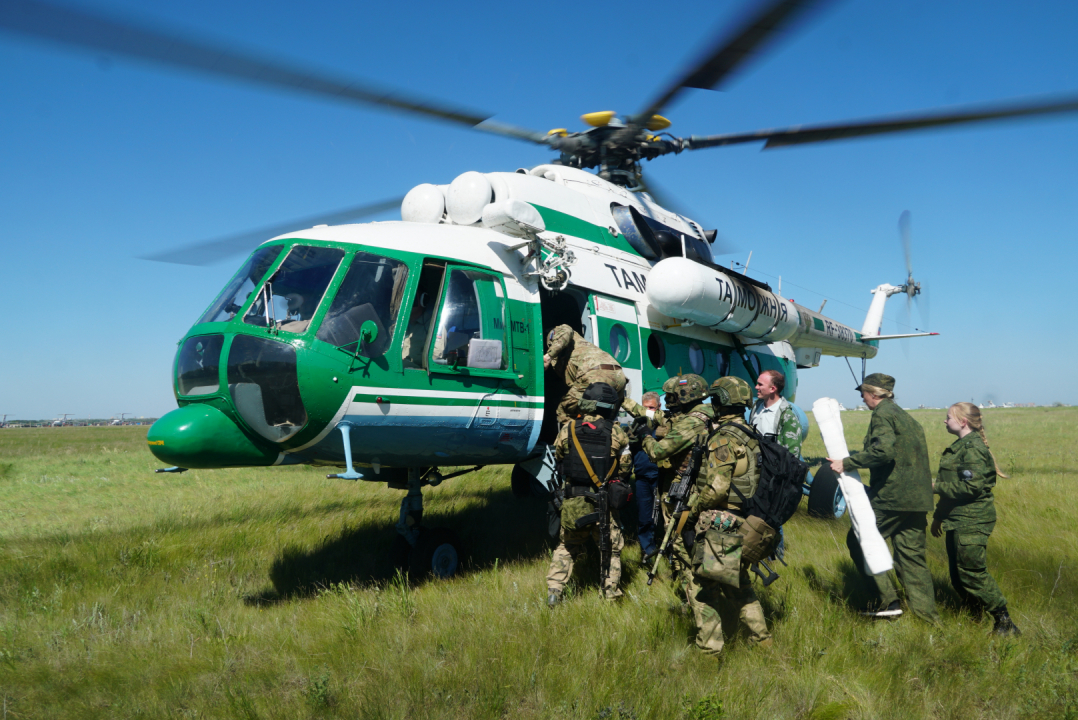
(775, 499)
(589, 452)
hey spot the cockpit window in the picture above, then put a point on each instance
(471, 325)
(235, 294)
(291, 295)
(371, 291)
(263, 383)
(197, 365)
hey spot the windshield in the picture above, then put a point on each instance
(197, 363)
(235, 294)
(371, 291)
(291, 295)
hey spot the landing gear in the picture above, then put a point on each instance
(418, 550)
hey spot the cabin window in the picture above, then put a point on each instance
(197, 365)
(696, 358)
(471, 323)
(290, 297)
(656, 351)
(619, 343)
(242, 284)
(722, 362)
(372, 291)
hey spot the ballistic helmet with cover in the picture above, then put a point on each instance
(600, 399)
(730, 391)
(684, 390)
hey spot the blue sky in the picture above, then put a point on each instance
(106, 158)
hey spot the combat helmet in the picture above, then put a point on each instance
(684, 390)
(600, 399)
(730, 391)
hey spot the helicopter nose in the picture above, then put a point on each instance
(201, 436)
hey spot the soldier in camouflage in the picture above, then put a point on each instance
(571, 545)
(689, 418)
(896, 454)
(581, 364)
(967, 512)
(719, 571)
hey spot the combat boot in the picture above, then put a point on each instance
(553, 599)
(1004, 625)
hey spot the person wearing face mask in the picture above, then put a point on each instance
(966, 511)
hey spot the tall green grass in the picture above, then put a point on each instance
(269, 594)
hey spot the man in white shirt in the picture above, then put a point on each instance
(772, 414)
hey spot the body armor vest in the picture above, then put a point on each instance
(747, 469)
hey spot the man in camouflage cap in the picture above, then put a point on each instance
(581, 364)
(719, 571)
(689, 418)
(896, 455)
(572, 541)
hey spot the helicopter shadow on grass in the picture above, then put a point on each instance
(503, 529)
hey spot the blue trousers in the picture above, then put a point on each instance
(645, 501)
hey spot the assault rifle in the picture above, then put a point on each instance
(678, 494)
(602, 516)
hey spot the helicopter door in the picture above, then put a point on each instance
(614, 327)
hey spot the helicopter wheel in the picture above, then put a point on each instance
(437, 553)
(825, 498)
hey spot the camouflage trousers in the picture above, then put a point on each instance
(569, 405)
(967, 556)
(906, 531)
(572, 547)
(719, 573)
(704, 596)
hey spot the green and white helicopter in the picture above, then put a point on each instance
(394, 349)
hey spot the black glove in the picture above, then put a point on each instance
(638, 429)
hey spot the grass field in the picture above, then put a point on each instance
(269, 594)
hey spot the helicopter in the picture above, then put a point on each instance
(396, 349)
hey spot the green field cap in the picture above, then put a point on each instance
(884, 382)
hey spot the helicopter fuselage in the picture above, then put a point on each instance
(426, 338)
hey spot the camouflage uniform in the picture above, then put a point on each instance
(967, 510)
(896, 454)
(572, 540)
(731, 459)
(689, 421)
(582, 364)
(659, 423)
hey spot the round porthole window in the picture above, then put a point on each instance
(722, 362)
(656, 351)
(696, 358)
(619, 343)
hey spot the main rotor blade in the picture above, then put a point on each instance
(211, 251)
(821, 133)
(904, 232)
(727, 54)
(78, 27)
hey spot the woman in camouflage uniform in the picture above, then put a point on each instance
(967, 512)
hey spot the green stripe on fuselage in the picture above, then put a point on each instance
(492, 401)
(559, 222)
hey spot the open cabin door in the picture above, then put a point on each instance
(615, 329)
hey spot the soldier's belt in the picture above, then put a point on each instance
(604, 366)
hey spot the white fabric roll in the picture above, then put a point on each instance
(863, 519)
